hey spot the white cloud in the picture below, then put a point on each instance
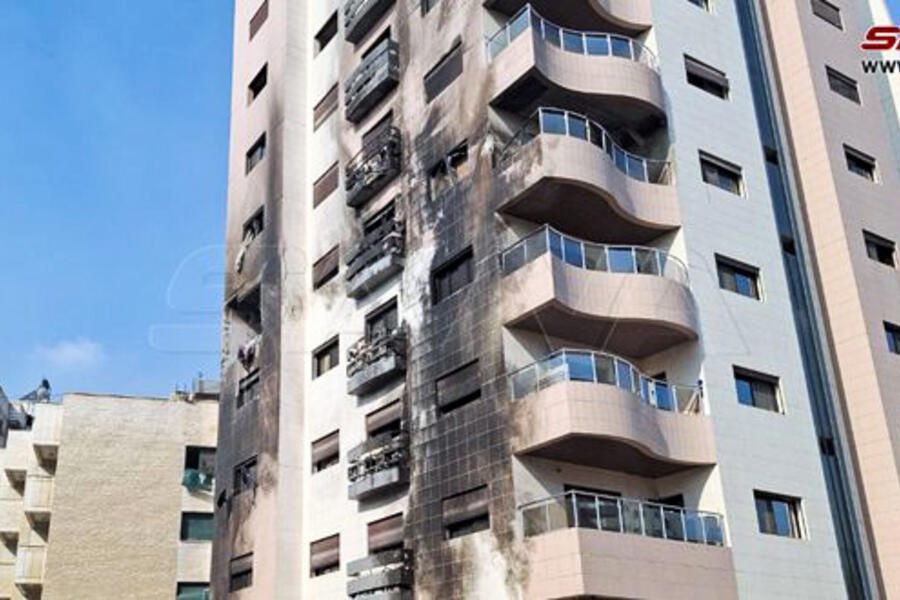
(80, 353)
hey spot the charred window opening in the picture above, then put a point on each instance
(326, 268)
(386, 534)
(380, 220)
(325, 556)
(255, 154)
(465, 513)
(240, 572)
(446, 173)
(244, 476)
(326, 357)
(252, 229)
(458, 387)
(248, 390)
(452, 276)
(326, 452)
(445, 72)
(383, 321)
(200, 458)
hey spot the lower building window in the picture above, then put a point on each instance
(326, 357)
(192, 591)
(756, 389)
(325, 556)
(778, 515)
(325, 452)
(452, 276)
(892, 336)
(737, 277)
(197, 527)
(879, 248)
(466, 513)
(240, 572)
(245, 476)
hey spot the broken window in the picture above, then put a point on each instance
(245, 476)
(252, 230)
(445, 173)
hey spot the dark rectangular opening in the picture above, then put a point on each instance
(326, 357)
(452, 276)
(445, 72)
(707, 78)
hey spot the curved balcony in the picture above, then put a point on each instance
(626, 15)
(597, 546)
(633, 300)
(564, 169)
(598, 409)
(537, 62)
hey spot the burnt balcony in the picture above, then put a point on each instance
(599, 410)
(566, 170)
(372, 80)
(374, 361)
(634, 299)
(591, 545)
(386, 575)
(377, 258)
(627, 16)
(378, 465)
(361, 15)
(374, 167)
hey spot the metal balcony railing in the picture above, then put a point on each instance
(639, 260)
(588, 43)
(555, 121)
(372, 80)
(361, 15)
(388, 240)
(375, 166)
(605, 369)
(368, 351)
(387, 574)
(622, 515)
(377, 454)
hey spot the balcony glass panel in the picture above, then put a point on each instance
(581, 366)
(572, 252)
(553, 121)
(597, 44)
(621, 46)
(573, 41)
(621, 260)
(653, 521)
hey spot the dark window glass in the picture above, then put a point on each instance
(827, 11)
(879, 248)
(860, 163)
(452, 276)
(704, 4)
(256, 153)
(245, 476)
(197, 527)
(778, 515)
(459, 387)
(705, 77)
(756, 389)
(892, 335)
(739, 278)
(327, 33)
(444, 72)
(258, 83)
(248, 389)
(192, 591)
(721, 174)
(200, 459)
(427, 5)
(326, 358)
(843, 85)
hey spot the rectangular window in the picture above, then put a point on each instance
(466, 513)
(191, 591)
(444, 72)
(326, 184)
(325, 556)
(259, 17)
(240, 571)
(254, 225)
(326, 107)
(778, 515)
(738, 277)
(386, 534)
(382, 321)
(458, 387)
(721, 173)
(245, 476)
(200, 459)
(258, 83)
(387, 420)
(879, 248)
(326, 452)
(327, 267)
(197, 527)
(843, 85)
(860, 163)
(256, 153)
(892, 335)
(452, 276)
(757, 389)
(705, 77)
(327, 33)
(326, 357)
(827, 11)
(248, 389)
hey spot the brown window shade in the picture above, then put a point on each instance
(259, 17)
(377, 129)
(325, 555)
(326, 267)
(466, 506)
(384, 416)
(444, 72)
(326, 184)
(386, 533)
(326, 449)
(458, 387)
(325, 107)
(240, 572)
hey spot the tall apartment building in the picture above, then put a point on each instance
(557, 300)
(108, 496)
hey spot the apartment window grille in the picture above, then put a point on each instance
(452, 276)
(707, 78)
(892, 335)
(757, 389)
(256, 153)
(326, 107)
(445, 72)
(248, 389)
(258, 18)
(860, 163)
(879, 248)
(458, 387)
(327, 33)
(465, 513)
(738, 277)
(245, 476)
(386, 534)
(721, 173)
(828, 12)
(842, 85)
(258, 83)
(326, 357)
(325, 556)
(197, 527)
(326, 452)
(240, 571)
(326, 268)
(778, 515)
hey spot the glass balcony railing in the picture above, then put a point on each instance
(593, 257)
(588, 43)
(622, 515)
(604, 369)
(556, 121)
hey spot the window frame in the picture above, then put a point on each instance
(320, 350)
(250, 160)
(446, 61)
(326, 34)
(449, 267)
(707, 78)
(878, 243)
(892, 337)
(744, 270)
(796, 524)
(186, 516)
(722, 166)
(833, 76)
(255, 88)
(828, 6)
(870, 173)
(751, 377)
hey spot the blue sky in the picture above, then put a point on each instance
(113, 172)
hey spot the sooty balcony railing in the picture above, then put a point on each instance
(373, 361)
(378, 74)
(361, 15)
(622, 515)
(377, 258)
(375, 166)
(378, 464)
(555, 121)
(385, 575)
(588, 43)
(604, 369)
(593, 257)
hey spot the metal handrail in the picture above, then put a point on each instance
(557, 121)
(579, 253)
(590, 43)
(363, 78)
(366, 350)
(603, 512)
(605, 369)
